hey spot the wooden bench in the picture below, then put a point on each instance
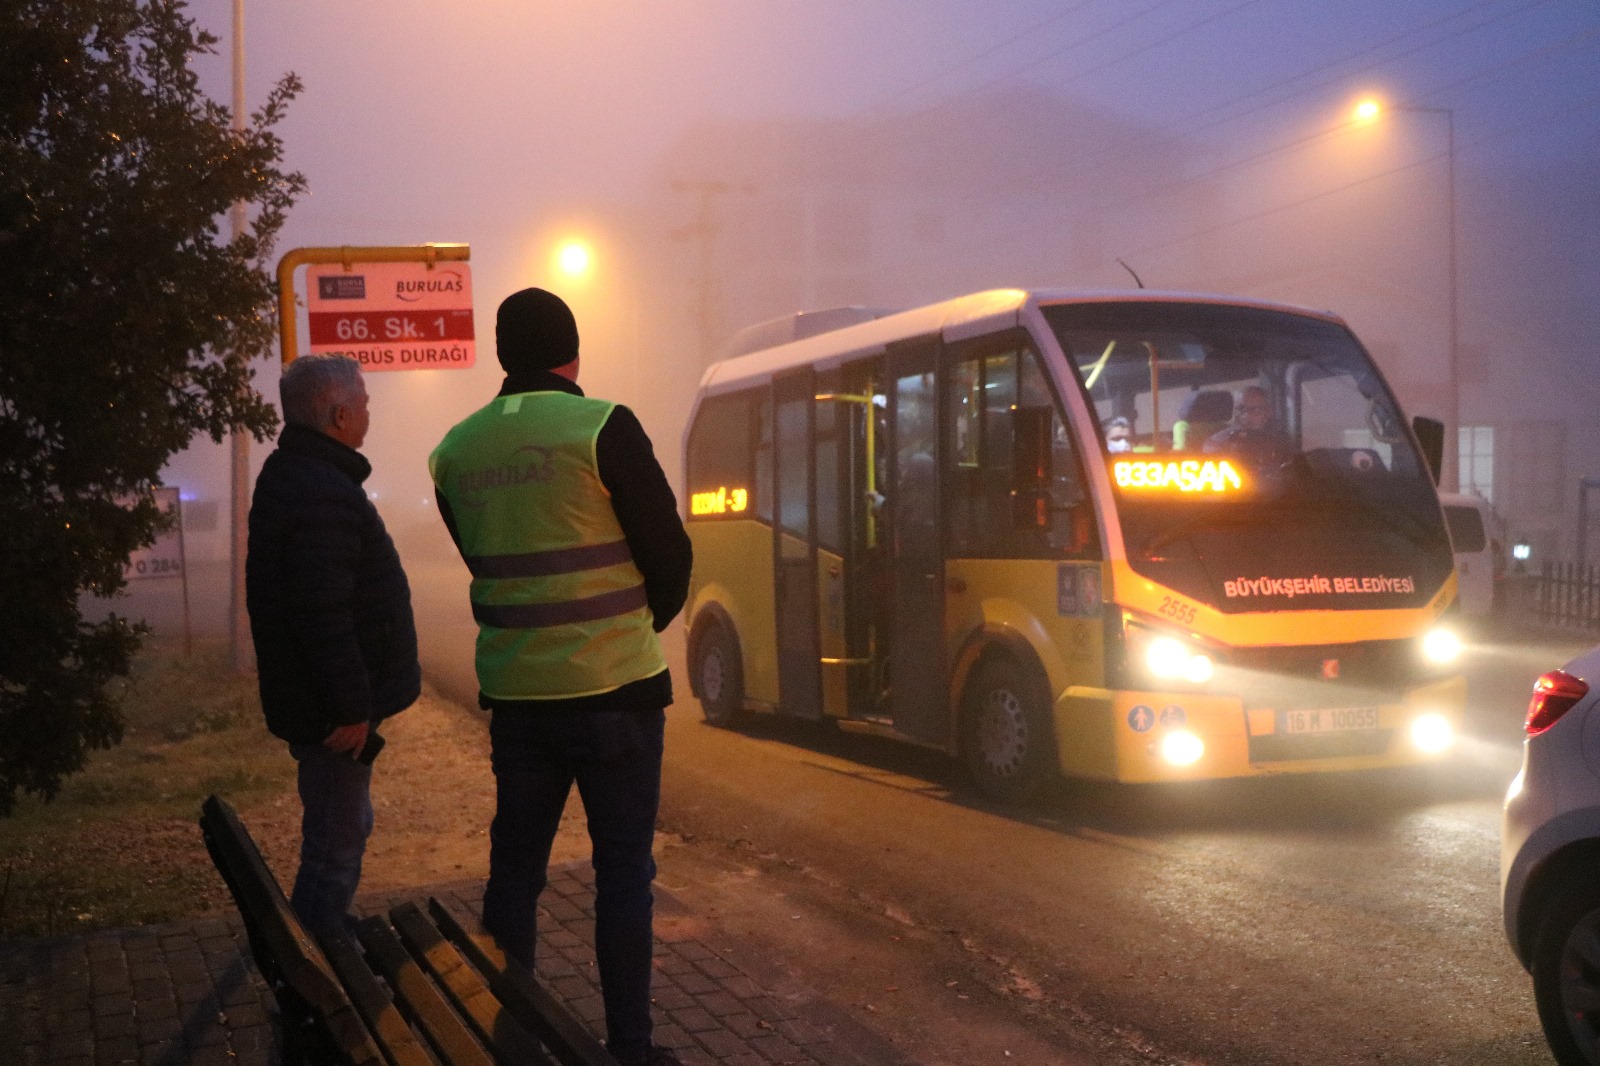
(415, 989)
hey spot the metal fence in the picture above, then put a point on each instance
(1567, 594)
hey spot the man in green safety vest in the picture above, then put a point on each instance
(578, 559)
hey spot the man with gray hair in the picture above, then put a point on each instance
(330, 613)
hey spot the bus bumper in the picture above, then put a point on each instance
(1179, 736)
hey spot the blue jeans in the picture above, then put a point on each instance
(337, 819)
(615, 758)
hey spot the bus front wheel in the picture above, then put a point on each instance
(1006, 731)
(719, 676)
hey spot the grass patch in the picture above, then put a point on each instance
(120, 845)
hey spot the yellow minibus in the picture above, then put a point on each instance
(1130, 536)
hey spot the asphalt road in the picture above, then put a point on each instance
(1326, 920)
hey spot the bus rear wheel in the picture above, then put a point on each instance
(1005, 741)
(719, 676)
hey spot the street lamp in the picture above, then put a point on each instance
(574, 259)
(597, 286)
(1368, 111)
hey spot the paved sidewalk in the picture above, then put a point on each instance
(188, 992)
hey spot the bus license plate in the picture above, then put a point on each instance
(1334, 720)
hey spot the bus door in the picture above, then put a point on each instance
(795, 546)
(917, 697)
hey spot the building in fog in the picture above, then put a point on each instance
(1018, 187)
(1012, 188)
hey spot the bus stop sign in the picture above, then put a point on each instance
(393, 316)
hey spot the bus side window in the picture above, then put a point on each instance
(763, 449)
(718, 462)
(979, 398)
(1071, 527)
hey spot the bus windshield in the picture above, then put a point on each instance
(1231, 432)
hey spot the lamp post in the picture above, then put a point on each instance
(239, 450)
(1368, 111)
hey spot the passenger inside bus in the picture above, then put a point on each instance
(1204, 413)
(1254, 436)
(1119, 435)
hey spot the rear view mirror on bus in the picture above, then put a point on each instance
(1031, 467)
(1430, 434)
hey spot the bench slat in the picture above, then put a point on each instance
(438, 1021)
(524, 995)
(374, 1004)
(496, 1025)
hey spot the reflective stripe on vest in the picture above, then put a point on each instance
(561, 607)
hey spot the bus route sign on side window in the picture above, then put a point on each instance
(393, 316)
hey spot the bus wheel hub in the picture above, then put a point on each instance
(711, 678)
(1003, 731)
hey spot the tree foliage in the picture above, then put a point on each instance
(127, 323)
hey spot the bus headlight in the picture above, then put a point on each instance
(1170, 659)
(1441, 646)
(1432, 733)
(1182, 748)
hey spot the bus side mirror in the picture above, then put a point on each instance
(1030, 467)
(1430, 434)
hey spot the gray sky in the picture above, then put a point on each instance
(463, 115)
(504, 123)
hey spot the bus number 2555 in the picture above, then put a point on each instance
(1178, 610)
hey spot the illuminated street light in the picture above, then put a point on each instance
(574, 259)
(1368, 111)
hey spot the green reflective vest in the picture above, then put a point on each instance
(559, 603)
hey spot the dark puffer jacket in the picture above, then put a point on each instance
(330, 608)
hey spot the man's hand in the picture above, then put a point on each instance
(348, 739)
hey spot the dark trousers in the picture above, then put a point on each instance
(615, 758)
(336, 799)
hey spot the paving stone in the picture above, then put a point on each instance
(118, 1049)
(159, 1030)
(745, 1024)
(245, 1015)
(722, 1043)
(162, 1053)
(154, 1009)
(720, 1003)
(189, 993)
(716, 968)
(695, 1020)
(71, 1046)
(696, 983)
(589, 1008)
(671, 963)
(211, 1055)
(669, 997)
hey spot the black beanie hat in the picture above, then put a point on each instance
(534, 330)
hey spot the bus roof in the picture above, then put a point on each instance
(964, 316)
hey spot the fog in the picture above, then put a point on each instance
(731, 160)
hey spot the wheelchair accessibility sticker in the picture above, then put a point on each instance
(1172, 717)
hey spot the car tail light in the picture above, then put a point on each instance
(1554, 695)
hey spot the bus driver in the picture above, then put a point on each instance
(1254, 436)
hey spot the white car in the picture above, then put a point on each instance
(1550, 858)
(1477, 536)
